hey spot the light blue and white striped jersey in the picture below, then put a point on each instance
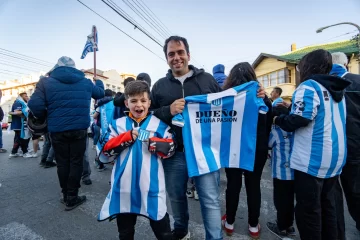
(137, 179)
(280, 144)
(276, 101)
(220, 129)
(319, 149)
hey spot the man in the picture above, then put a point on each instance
(275, 96)
(64, 99)
(350, 176)
(144, 77)
(2, 150)
(17, 124)
(219, 74)
(167, 98)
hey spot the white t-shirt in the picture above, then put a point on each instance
(184, 77)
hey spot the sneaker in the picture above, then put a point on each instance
(28, 155)
(175, 237)
(19, 154)
(290, 232)
(35, 155)
(189, 193)
(254, 232)
(12, 155)
(87, 182)
(49, 165)
(275, 230)
(73, 202)
(196, 195)
(228, 228)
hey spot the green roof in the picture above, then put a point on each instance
(348, 47)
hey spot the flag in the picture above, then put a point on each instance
(91, 43)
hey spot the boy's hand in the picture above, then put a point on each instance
(135, 134)
(261, 92)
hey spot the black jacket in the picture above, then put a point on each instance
(352, 97)
(1, 114)
(168, 89)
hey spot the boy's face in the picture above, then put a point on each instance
(138, 104)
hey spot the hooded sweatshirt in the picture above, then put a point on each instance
(219, 74)
(64, 98)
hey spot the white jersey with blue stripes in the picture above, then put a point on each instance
(319, 149)
(280, 144)
(137, 179)
(220, 129)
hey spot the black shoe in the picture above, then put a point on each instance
(275, 230)
(49, 164)
(42, 163)
(63, 199)
(180, 235)
(87, 182)
(290, 232)
(72, 202)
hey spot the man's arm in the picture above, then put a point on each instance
(37, 102)
(164, 112)
(119, 101)
(98, 90)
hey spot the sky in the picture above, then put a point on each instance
(226, 31)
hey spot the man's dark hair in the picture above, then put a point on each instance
(144, 77)
(176, 39)
(278, 90)
(241, 73)
(22, 94)
(279, 110)
(128, 80)
(315, 62)
(108, 93)
(135, 88)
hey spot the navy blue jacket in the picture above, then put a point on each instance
(64, 98)
(219, 74)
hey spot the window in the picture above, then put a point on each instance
(260, 79)
(273, 78)
(281, 76)
(266, 80)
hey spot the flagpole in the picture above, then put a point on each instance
(94, 32)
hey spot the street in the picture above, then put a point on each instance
(30, 207)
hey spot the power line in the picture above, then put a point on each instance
(128, 21)
(25, 56)
(12, 71)
(22, 59)
(120, 30)
(16, 66)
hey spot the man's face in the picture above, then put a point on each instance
(138, 105)
(274, 95)
(25, 97)
(177, 58)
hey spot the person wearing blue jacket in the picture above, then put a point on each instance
(219, 74)
(63, 98)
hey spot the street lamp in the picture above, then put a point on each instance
(348, 23)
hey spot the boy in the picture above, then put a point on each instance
(138, 142)
(283, 179)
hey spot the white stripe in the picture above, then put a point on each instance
(125, 185)
(145, 178)
(287, 155)
(197, 138)
(236, 131)
(216, 137)
(226, 93)
(340, 132)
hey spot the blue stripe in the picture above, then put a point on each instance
(249, 130)
(193, 169)
(228, 103)
(282, 154)
(343, 121)
(335, 143)
(206, 140)
(274, 162)
(136, 172)
(317, 137)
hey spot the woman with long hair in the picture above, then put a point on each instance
(242, 73)
(318, 154)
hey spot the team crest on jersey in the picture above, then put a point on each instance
(299, 107)
(143, 135)
(216, 102)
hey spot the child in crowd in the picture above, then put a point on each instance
(283, 178)
(138, 142)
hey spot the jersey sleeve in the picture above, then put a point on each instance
(305, 102)
(271, 140)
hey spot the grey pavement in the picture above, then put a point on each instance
(30, 207)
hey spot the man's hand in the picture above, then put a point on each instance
(135, 134)
(177, 106)
(261, 92)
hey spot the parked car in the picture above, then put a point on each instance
(4, 125)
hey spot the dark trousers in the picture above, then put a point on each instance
(47, 151)
(126, 227)
(252, 184)
(284, 202)
(350, 182)
(315, 211)
(69, 150)
(20, 143)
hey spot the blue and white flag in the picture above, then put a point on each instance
(91, 43)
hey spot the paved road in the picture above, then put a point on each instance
(30, 207)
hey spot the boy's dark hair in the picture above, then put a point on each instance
(176, 39)
(128, 80)
(278, 90)
(135, 88)
(315, 62)
(108, 93)
(279, 110)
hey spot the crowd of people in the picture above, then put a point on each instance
(169, 142)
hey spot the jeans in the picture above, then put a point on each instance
(69, 149)
(48, 151)
(126, 227)
(1, 141)
(86, 165)
(207, 186)
(315, 210)
(19, 142)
